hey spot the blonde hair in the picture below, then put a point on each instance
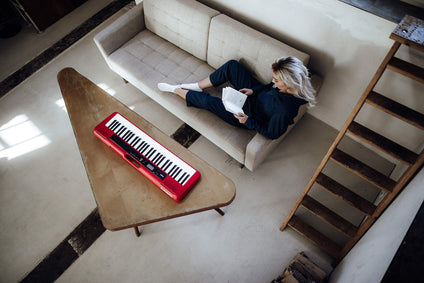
(295, 75)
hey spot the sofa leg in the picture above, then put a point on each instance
(125, 81)
(241, 166)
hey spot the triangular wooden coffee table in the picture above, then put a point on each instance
(124, 197)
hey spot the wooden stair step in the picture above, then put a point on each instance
(329, 216)
(356, 201)
(363, 170)
(316, 237)
(393, 149)
(407, 32)
(407, 69)
(396, 109)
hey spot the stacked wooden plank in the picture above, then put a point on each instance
(302, 270)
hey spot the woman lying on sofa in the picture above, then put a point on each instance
(269, 109)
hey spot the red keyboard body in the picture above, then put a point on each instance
(165, 169)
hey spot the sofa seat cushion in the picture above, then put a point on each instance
(148, 59)
(156, 59)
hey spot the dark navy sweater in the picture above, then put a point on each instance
(271, 111)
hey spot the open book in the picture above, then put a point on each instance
(233, 100)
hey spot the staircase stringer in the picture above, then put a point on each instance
(343, 131)
(404, 179)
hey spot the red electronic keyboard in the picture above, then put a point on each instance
(166, 170)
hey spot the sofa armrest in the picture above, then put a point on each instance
(120, 31)
(260, 147)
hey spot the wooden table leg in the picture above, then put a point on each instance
(137, 232)
(220, 211)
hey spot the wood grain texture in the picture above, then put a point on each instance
(125, 198)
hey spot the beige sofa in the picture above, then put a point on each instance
(181, 41)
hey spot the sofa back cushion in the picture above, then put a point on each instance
(230, 39)
(184, 23)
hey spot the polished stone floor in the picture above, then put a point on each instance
(392, 10)
(45, 195)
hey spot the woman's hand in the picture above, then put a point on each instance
(241, 117)
(246, 91)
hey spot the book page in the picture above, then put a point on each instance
(233, 100)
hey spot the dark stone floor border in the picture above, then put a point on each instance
(392, 10)
(185, 135)
(41, 60)
(53, 265)
(79, 240)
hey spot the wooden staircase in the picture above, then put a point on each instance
(414, 161)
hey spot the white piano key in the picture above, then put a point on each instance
(168, 162)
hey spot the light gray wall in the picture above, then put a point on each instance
(371, 256)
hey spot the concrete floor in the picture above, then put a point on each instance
(45, 192)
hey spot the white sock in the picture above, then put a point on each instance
(168, 87)
(192, 86)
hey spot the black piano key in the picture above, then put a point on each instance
(178, 174)
(182, 176)
(155, 157)
(175, 175)
(125, 134)
(148, 153)
(185, 178)
(111, 126)
(151, 154)
(167, 166)
(172, 170)
(130, 137)
(154, 152)
(164, 165)
(145, 149)
(135, 141)
(121, 128)
(115, 126)
(131, 140)
(141, 147)
(160, 160)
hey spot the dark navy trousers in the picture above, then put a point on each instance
(232, 72)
